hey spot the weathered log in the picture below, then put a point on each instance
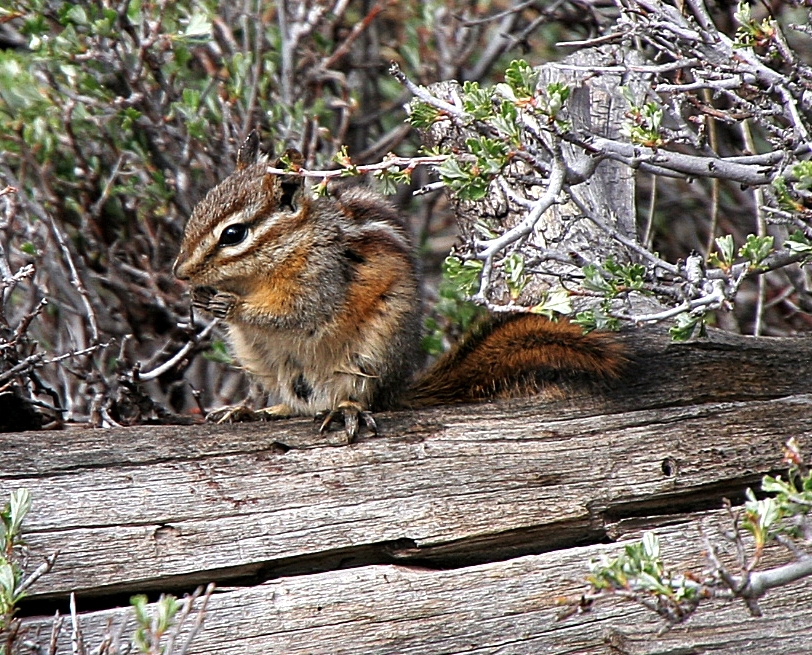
(512, 607)
(157, 508)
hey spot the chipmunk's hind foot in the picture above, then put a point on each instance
(352, 415)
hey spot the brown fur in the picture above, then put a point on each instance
(517, 355)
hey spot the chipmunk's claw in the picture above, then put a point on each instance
(242, 413)
(217, 303)
(352, 415)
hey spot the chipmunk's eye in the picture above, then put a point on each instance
(233, 234)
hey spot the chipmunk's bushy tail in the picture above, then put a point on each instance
(506, 356)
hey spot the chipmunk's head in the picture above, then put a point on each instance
(245, 225)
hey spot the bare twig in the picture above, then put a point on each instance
(76, 639)
(173, 361)
(41, 570)
(387, 163)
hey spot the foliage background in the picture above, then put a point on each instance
(117, 117)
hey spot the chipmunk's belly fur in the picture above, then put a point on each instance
(310, 374)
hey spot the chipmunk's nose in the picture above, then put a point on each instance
(177, 268)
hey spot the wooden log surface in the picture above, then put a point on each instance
(511, 607)
(464, 523)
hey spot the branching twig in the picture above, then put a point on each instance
(178, 356)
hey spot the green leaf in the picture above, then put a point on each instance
(19, 505)
(595, 281)
(557, 302)
(422, 115)
(464, 275)
(218, 352)
(726, 248)
(802, 172)
(515, 276)
(756, 249)
(166, 608)
(521, 80)
(451, 171)
(797, 242)
(651, 545)
(685, 326)
(556, 94)
(77, 15)
(476, 102)
(199, 27)
(8, 583)
(506, 122)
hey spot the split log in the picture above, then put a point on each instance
(461, 525)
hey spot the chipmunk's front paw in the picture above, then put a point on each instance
(241, 413)
(352, 414)
(201, 297)
(218, 303)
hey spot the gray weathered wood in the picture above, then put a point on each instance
(452, 484)
(528, 481)
(506, 607)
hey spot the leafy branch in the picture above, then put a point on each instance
(781, 518)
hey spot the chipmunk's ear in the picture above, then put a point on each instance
(249, 150)
(290, 186)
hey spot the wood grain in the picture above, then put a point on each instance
(496, 477)
(455, 530)
(505, 607)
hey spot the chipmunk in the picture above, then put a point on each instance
(321, 296)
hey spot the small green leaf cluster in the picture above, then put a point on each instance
(767, 518)
(464, 275)
(423, 115)
(12, 515)
(521, 82)
(458, 283)
(639, 569)
(791, 191)
(552, 101)
(597, 318)
(470, 179)
(752, 33)
(502, 116)
(761, 518)
(686, 325)
(614, 278)
(515, 277)
(151, 626)
(609, 280)
(391, 178)
(799, 243)
(644, 126)
(342, 158)
(802, 172)
(218, 352)
(553, 304)
(754, 251)
(793, 496)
